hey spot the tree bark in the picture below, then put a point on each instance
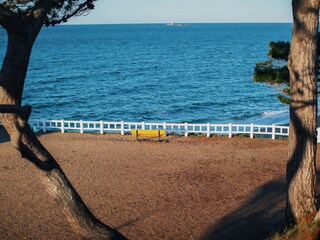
(14, 118)
(301, 170)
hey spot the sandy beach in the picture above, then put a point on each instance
(186, 188)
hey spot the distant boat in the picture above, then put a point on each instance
(175, 24)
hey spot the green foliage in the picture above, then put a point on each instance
(275, 70)
(279, 50)
(284, 99)
(267, 72)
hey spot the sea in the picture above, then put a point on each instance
(196, 73)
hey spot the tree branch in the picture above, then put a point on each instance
(9, 20)
(46, 162)
(41, 8)
(22, 111)
(39, 13)
(21, 121)
(80, 9)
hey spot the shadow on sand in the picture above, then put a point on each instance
(4, 136)
(259, 218)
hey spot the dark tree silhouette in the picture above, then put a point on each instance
(23, 21)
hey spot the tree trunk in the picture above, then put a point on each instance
(12, 77)
(301, 171)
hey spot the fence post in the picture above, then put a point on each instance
(101, 127)
(44, 126)
(165, 128)
(62, 126)
(230, 130)
(273, 131)
(81, 126)
(122, 128)
(251, 130)
(186, 129)
(318, 135)
(208, 130)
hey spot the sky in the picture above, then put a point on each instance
(187, 11)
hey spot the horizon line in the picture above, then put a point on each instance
(146, 23)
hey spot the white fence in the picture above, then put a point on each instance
(185, 129)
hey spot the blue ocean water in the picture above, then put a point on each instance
(196, 73)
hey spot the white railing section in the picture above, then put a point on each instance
(185, 129)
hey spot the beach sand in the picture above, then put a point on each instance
(186, 188)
